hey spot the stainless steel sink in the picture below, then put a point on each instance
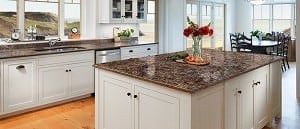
(59, 49)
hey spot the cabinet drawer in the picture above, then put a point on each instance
(138, 51)
(66, 58)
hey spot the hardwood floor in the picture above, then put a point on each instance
(80, 114)
(75, 115)
(290, 104)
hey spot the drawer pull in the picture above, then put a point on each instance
(130, 50)
(148, 49)
(20, 67)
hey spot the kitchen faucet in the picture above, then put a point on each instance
(115, 30)
(52, 42)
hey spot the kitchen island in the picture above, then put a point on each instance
(235, 91)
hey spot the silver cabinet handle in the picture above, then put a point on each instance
(20, 67)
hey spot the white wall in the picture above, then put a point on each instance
(172, 18)
(243, 16)
(88, 15)
(298, 49)
(230, 22)
(106, 30)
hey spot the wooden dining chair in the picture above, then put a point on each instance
(233, 41)
(244, 43)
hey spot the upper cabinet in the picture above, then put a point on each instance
(122, 11)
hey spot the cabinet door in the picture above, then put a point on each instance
(116, 104)
(53, 83)
(20, 89)
(81, 78)
(245, 102)
(231, 88)
(117, 11)
(275, 88)
(155, 110)
(141, 10)
(261, 98)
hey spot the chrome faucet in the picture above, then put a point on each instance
(115, 36)
(52, 42)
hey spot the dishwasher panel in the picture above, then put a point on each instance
(108, 55)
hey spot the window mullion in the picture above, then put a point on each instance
(61, 14)
(271, 18)
(21, 17)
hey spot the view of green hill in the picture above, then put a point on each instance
(46, 23)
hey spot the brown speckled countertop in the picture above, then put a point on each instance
(186, 77)
(23, 50)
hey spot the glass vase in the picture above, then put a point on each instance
(197, 47)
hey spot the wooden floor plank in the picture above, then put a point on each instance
(74, 115)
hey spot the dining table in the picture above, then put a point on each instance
(261, 46)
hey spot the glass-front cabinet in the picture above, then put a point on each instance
(122, 11)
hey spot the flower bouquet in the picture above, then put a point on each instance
(197, 33)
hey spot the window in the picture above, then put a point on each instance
(49, 18)
(192, 13)
(262, 18)
(274, 17)
(42, 20)
(8, 18)
(147, 30)
(204, 13)
(72, 15)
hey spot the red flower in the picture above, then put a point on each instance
(196, 31)
(211, 32)
(205, 30)
(187, 31)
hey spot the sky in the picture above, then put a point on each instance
(72, 11)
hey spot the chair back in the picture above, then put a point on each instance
(233, 41)
(244, 42)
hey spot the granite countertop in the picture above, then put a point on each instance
(186, 77)
(24, 50)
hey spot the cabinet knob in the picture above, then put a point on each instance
(67, 70)
(70, 70)
(240, 92)
(130, 50)
(135, 96)
(20, 67)
(148, 49)
(128, 94)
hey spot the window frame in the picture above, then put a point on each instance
(271, 18)
(61, 16)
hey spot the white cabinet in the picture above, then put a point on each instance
(70, 76)
(246, 100)
(275, 89)
(53, 82)
(261, 102)
(127, 105)
(138, 51)
(81, 78)
(19, 84)
(155, 110)
(116, 104)
(122, 11)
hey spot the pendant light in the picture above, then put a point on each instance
(257, 2)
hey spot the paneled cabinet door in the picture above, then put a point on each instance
(53, 83)
(116, 104)
(155, 110)
(231, 92)
(261, 98)
(81, 78)
(19, 84)
(245, 102)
